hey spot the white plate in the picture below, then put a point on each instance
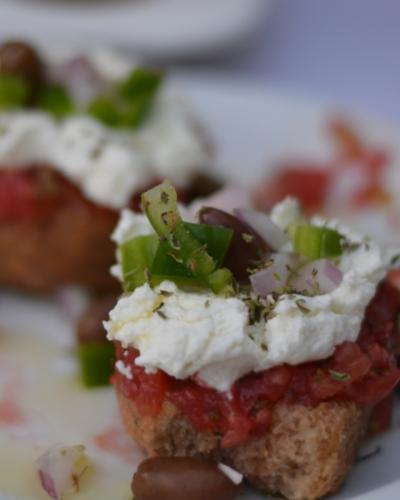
(158, 28)
(251, 125)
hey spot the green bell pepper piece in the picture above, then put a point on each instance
(141, 83)
(104, 109)
(216, 239)
(315, 242)
(96, 363)
(136, 257)
(160, 206)
(14, 91)
(55, 100)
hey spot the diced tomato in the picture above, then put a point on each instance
(34, 193)
(371, 390)
(202, 404)
(394, 277)
(349, 359)
(18, 196)
(346, 138)
(152, 392)
(307, 183)
(364, 372)
(323, 386)
(311, 182)
(147, 389)
(371, 195)
(269, 386)
(381, 417)
(238, 431)
(351, 148)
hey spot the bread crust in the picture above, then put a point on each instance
(306, 454)
(70, 246)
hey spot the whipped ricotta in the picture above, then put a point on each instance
(185, 333)
(109, 165)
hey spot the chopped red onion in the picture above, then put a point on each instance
(60, 469)
(264, 227)
(274, 277)
(80, 77)
(227, 199)
(317, 277)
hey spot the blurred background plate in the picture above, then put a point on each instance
(256, 124)
(155, 28)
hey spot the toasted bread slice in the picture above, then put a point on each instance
(71, 246)
(306, 453)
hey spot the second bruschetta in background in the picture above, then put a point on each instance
(79, 139)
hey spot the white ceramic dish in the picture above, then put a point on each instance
(157, 28)
(250, 125)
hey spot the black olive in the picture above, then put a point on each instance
(247, 248)
(182, 478)
(20, 59)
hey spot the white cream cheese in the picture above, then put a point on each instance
(286, 212)
(186, 333)
(130, 225)
(109, 165)
(125, 370)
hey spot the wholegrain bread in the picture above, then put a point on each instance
(306, 454)
(70, 246)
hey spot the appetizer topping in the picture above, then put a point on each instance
(126, 105)
(273, 235)
(316, 278)
(185, 333)
(110, 146)
(275, 274)
(315, 242)
(14, 91)
(60, 469)
(337, 167)
(55, 100)
(286, 308)
(247, 249)
(108, 166)
(21, 71)
(181, 478)
(196, 250)
(96, 363)
(365, 372)
(132, 103)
